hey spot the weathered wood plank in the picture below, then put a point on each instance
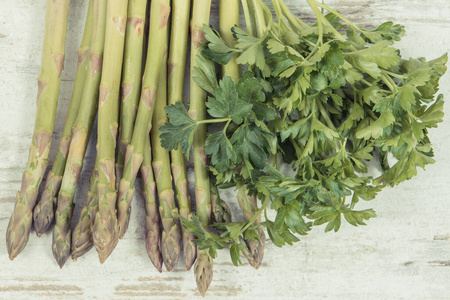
(402, 254)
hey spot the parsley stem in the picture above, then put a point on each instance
(257, 214)
(325, 115)
(281, 20)
(247, 16)
(372, 115)
(295, 22)
(226, 127)
(320, 24)
(259, 17)
(337, 14)
(395, 75)
(366, 82)
(294, 143)
(389, 82)
(209, 121)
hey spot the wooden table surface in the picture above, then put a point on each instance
(402, 254)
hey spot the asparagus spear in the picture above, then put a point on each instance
(229, 17)
(203, 270)
(49, 80)
(43, 214)
(152, 228)
(131, 76)
(170, 241)
(105, 229)
(204, 265)
(177, 66)
(249, 206)
(159, 14)
(80, 137)
(82, 234)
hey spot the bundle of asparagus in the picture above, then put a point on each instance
(317, 96)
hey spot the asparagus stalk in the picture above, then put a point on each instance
(204, 265)
(159, 15)
(80, 137)
(152, 228)
(249, 206)
(177, 68)
(229, 17)
(105, 229)
(82, 234)
(131, 76)
(43, 214)
(49, 80)
(131, 83)
(170, 241)
(203, 270)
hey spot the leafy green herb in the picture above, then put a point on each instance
(324, 98)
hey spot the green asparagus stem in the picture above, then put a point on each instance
(81, 132)
(82, 234)
(159, 15)
(131, 76)
(229, 17)
(177, 68)
(229, 13)
(152, 228)
(249, 206)
(131, 84)
(105, 229)
(44, 214)
(170, 241)
(204, 265)
(49, 80)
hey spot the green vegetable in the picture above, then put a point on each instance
(106, 229)
(305, 119)
(49, 80)
(175, 84)
(159, 14)
(82, 240)
(152, 227)
(325, 99)
(170, 239)
(44, 212)
(81, 133)
(203, 268)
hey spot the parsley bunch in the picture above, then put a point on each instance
(325, 99)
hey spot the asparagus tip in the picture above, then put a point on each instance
(61, 245)
(203, 271)
(189, 250)
(43, 215)
(257, 249)
(153, 244)
(170, 247)
(104, 253)
(17, 234)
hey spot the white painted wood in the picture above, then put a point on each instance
(402, 254)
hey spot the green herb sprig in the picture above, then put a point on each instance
(325, 99)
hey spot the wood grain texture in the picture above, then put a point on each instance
(402, 254)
